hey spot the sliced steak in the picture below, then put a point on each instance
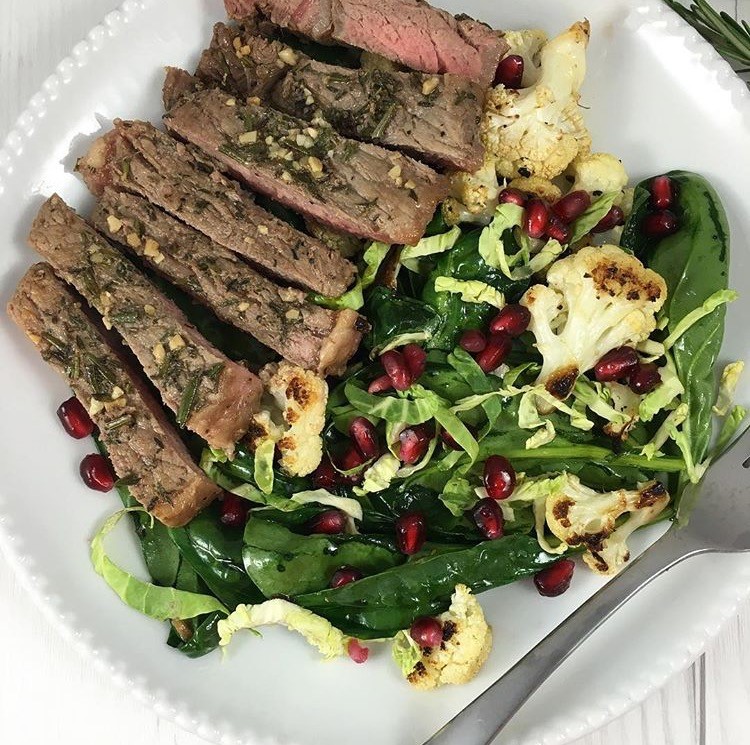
(281, 318)
(434, 117)
(209, 394)
(138, 158)
(353, 187)
(178, 84)
(410, 32)
(142, 445)
(244, 64)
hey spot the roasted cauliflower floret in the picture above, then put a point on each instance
(293, 416)
(598, 173)
(539, 131)
(467, 641)
(473, 196)
(527, 43)
(580, 516)
(596, 300)
(539, 187)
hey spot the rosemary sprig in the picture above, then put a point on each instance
(730, 38)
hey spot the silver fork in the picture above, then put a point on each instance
(719, 523)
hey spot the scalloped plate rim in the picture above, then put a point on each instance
(578, 725)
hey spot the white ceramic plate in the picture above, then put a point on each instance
(659, 98)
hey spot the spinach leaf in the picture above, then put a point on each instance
(382, 509)
(383, 604)
(393, 316)
(204, 639)
(695, 264)
(280, 562)
(463, 262)
(215, 553)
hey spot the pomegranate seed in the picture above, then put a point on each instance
(325, 475)
(233, 511)
(416, 360)
(662, 192)
(344, 576)
(499, 477)
(397, 370)
(660, 224)
(414, 442)
(555, 579)
(365, 437)
(510, 71)
(473, 341)
(512, 196)
(350, 460)
(411, 530)
(357, 652)
(572, 206)
(447, 438)
(558, 230)
(537, 218)
(489, 518)
(612, 219)
(493, 355)
(512, 320)
(75, 419)
(329, 522)
(96, 472)
(427, 632)
(644, 378)
(617, 364)
(383, 383)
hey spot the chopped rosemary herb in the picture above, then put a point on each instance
(189, 399)
(121, 421)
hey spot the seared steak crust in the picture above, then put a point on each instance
(281, 318)
(209, 394)
(434, 117)
(143, 447)
(410, 32)
(138, 158)
(353, 187)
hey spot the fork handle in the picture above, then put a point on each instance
(481, 721)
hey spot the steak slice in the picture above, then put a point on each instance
(209, 394)
(138, 158)
(433, 117)
(349, 186)
(410, 32)
(243, 63)
(281, 318)
(144, 448)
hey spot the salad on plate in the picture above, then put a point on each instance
(369, 327)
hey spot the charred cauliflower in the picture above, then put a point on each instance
(467, 640)
(580, 516)
(598, 173)
(539, 187)
(596, 300)
(539, 131)
(527, 43)
(293, 416)
(473, 196)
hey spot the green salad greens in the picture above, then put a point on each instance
(516, 400)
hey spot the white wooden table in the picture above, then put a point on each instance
(48, 694)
